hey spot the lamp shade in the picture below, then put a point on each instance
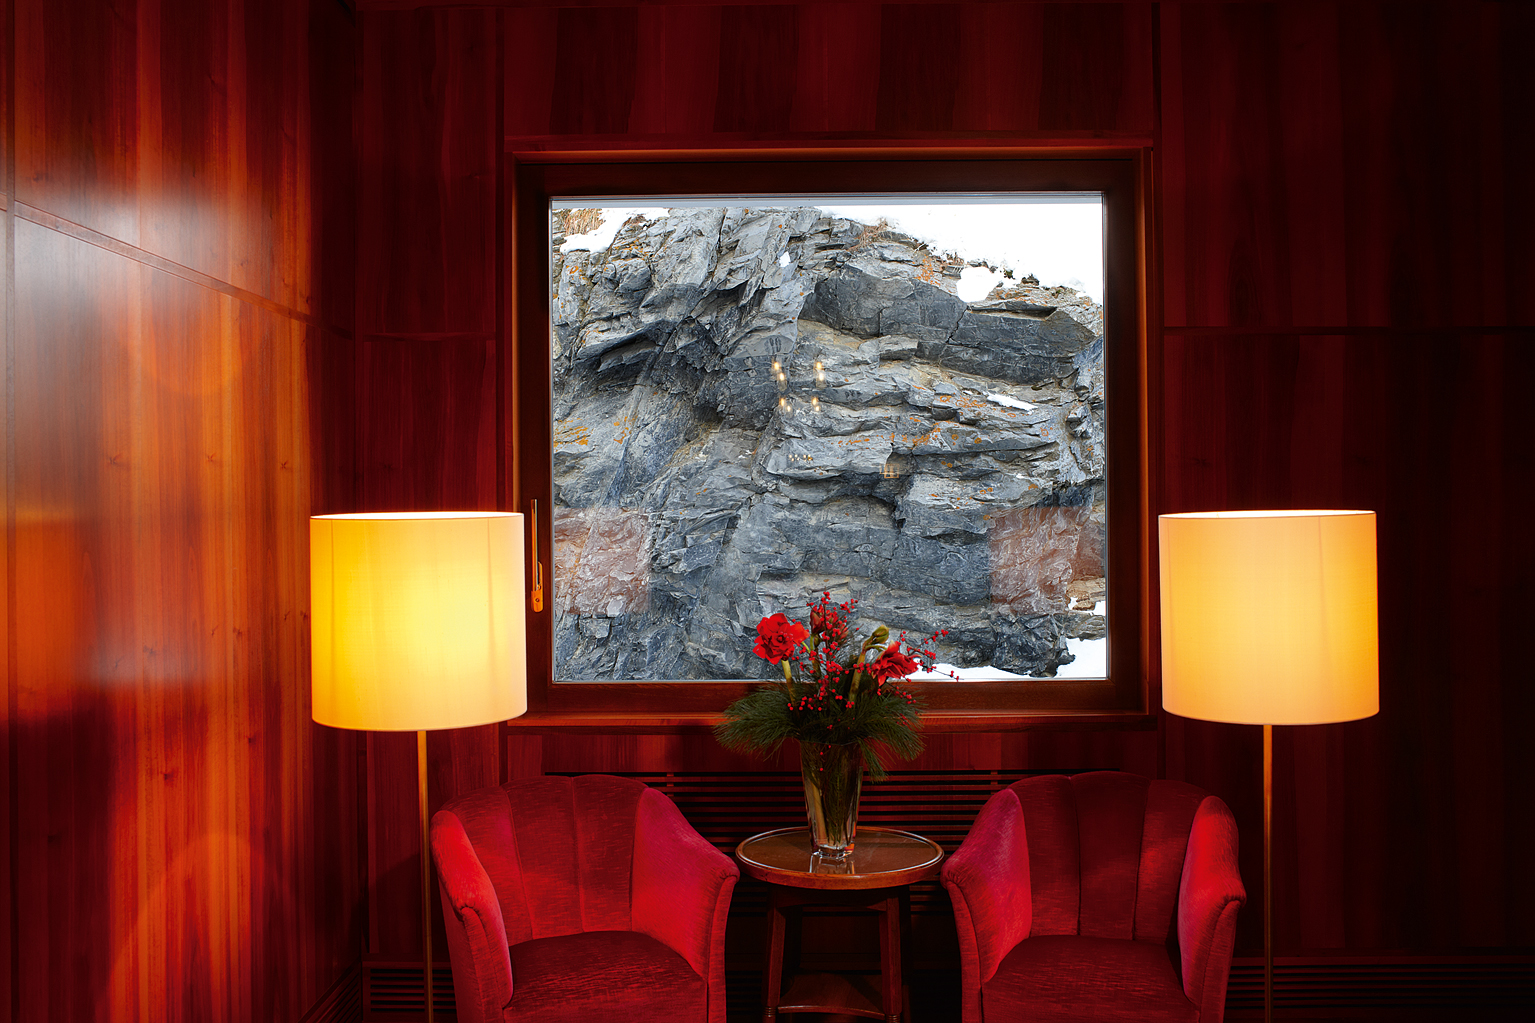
(1269, 617)
(417, 620)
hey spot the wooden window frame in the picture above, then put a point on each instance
(533, 178)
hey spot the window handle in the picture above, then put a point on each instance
(538, 566)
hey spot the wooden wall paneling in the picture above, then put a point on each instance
(1226, 165)
(755, 48)
(919, 60)
(1097, 67)
(458, 760)
(1344, 164)
(530, 36)
(333, 375)
(677, 68)
(594, 67)
(78, 758)
(1002, 75)
(130, 692)
(268, 149)
(428, 434)
(332, 162)
(1340, 422)
(1514, 144)
(191, 81)
(778, 70)
(426, 199)
(393, 877)
(428, 441)
(9, 831)
(295, 946)
(1429, 246)
(426, 364)
(834, 83)
(174, 798)
(203, 171)
(76, 119)
(7, 106)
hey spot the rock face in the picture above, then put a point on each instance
(754, 405)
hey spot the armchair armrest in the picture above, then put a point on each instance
(681, 892)
(989, 885)
(1209, 897)
(482, 965)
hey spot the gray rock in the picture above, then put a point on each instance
(906, 431)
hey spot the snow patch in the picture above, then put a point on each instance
(600, 237)
(1008, 401)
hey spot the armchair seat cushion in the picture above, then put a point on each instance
(1070, 979)
(578, 978)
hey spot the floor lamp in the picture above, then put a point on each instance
(1269, 618)
(417, 624)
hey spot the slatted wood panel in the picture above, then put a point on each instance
(181, 839)
(395, 991)
(1346, 323)
(757, 71)
(417, 391)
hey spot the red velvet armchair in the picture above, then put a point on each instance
(1101, 896)
(569, 900)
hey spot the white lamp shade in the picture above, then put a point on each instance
(417, 620)
(1270, 617)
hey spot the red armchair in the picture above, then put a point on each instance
(572, 900)
(1101, 896)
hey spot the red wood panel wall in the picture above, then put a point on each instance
(1347, 300)
(424, 373)
(1361, 172)
(183, 840)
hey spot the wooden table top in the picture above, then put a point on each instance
(881, 858)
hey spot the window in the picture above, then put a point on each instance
(726, 439)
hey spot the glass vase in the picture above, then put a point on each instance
(833, 775)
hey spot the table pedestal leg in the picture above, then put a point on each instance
(890, 957)
(772, 974)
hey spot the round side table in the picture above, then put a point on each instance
(874, 876)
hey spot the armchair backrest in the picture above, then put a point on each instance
(558, 851)
(1105, 852)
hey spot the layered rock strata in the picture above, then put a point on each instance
(755, 405)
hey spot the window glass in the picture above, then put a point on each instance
(756, 402)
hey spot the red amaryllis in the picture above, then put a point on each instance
(777, 637)
(893, 663)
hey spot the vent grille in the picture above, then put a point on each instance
(1314, 985)
(396, 992)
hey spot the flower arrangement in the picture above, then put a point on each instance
(834, 691)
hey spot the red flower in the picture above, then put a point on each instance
(893, 663)
(777, 637)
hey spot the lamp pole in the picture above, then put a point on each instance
(426, 868)
(1268, 874)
